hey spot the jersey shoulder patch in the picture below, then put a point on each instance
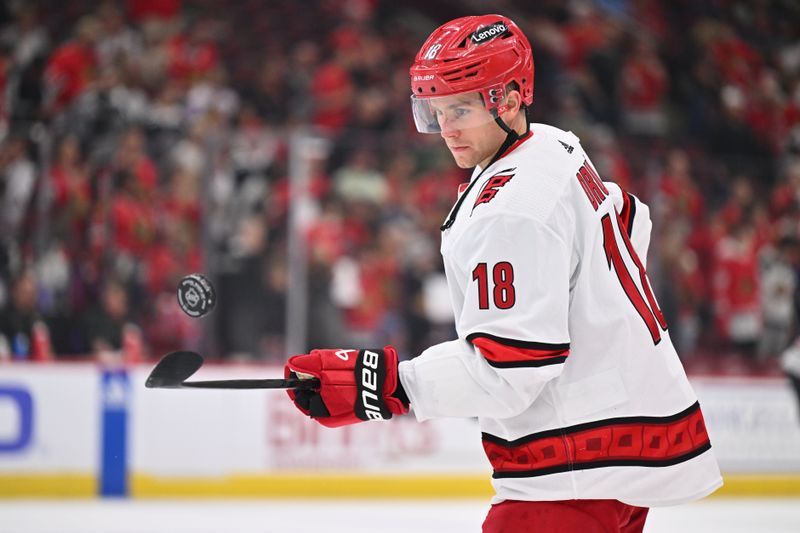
(493, 186)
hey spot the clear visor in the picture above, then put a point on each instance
(448, 113)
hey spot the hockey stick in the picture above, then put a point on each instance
(176, 367)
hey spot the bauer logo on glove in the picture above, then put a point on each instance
(370, 407)
(355, 385)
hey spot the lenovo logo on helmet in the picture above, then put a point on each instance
(487, 33)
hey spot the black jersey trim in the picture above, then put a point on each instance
(518, 343)
(631, 213)
(528, 364)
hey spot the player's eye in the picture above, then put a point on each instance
(460, 112)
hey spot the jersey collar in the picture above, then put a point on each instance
(478, 170)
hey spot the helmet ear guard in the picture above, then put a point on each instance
(495, 95)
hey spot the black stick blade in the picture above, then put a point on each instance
(173, 369)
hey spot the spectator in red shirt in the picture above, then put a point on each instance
(71, 67)
(326, 235)
(132, 158)
(332, 89)
(736, 294)
(132, 217)
(643, 90)
(72, 194)
(176, 252)
(176, 248)
(679, 190)
(744, 207)
(738, 62)
(588, 31)
(182, 203)
(377, 278)
(194, 55)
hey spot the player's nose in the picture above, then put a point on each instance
(448, 131)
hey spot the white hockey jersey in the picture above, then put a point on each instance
(562, 351)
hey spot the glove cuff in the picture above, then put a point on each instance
(393, 391)
(400, 394)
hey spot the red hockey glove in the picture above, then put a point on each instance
(355, 385)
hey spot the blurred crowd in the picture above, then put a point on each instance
(143, 140)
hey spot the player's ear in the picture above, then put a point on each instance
(513, 103)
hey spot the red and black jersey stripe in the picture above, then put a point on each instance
(511, 353)
(626, 441)
(628, 211)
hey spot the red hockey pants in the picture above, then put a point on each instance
(569, 516)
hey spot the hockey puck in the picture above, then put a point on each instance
(196, 295)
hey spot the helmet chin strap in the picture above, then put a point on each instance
(510, 134)
(511, 137)
(503, 126)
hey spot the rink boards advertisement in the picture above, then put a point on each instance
(77, 429)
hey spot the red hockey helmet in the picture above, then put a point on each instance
(471, 54)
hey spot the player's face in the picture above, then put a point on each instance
(467, 128)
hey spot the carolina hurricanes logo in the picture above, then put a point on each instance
(491, 188)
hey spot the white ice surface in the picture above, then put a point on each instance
(349, 516)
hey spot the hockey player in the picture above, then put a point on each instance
(563, 354)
